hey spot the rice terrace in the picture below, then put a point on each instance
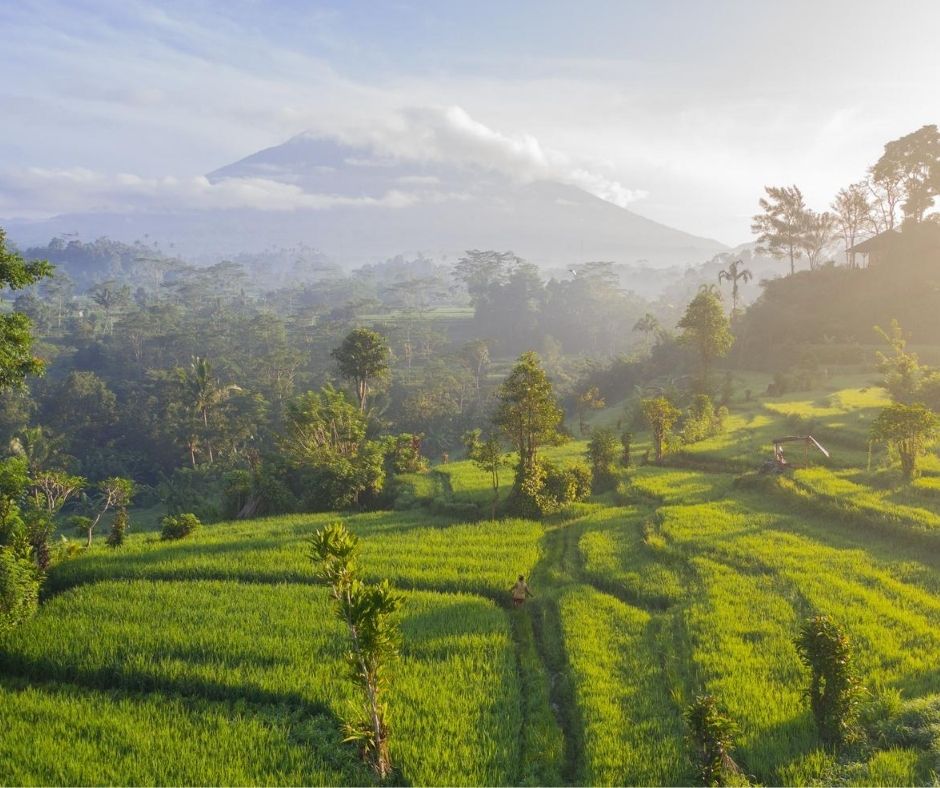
(407, 452)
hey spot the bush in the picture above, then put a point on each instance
(602, 453)
(712, 734)
(118, 528)
(703, 420)
(834, 690)
(179, 526)
(545, 488)
(19, 589)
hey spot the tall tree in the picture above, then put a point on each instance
(705, 328)
(852, 211)
(362, 358)
(819, 232)
(528, 412)
(914, 161)
(733, 273)
(16, 359)
(781, 224)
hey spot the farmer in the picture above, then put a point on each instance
(520, 591)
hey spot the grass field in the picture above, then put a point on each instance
(218, 660)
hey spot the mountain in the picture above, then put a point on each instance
(357, 206)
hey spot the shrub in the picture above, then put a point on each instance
(834, 689)
(118, 528)
(602, 453)
(703, 420)
(179, 526)
(19, 589)
(712, 734)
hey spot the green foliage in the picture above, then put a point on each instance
(528, 413)
(703, 420)
(602, 454)
(626, 443)
(403, 454)
(488, 457)
(910, 430)
(544, 488)
(367, 611)
(16, 359)
(326, 439)
(662, 416)
(362, 359)
(913, 161)
(19, 589)
(902, 370)
(119, 526)
(705, 328)
(712, 734)
(834, 688)
(178, 526)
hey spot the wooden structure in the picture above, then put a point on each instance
(780, 463)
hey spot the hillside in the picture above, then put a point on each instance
(216, 660)
(370, 207)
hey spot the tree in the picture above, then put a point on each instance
(650, 327)
(589, 400)
(732, 274)
(834, 689)
(488, 457)
(819, 232)
(202, 393)
(662, 415)
(16, 360)
(782, 223)
(362, 358)
(113, 492)
(326, 437)
(909, 429)
(852, 211)
(705, 327)
(368, 612)
(51, 489)
(902, 371)
(602, 454)
(528, 413)
(914, 161)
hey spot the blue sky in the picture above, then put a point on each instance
(681, 110)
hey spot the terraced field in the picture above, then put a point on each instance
(218, 661)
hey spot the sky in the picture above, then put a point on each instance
(680, 110)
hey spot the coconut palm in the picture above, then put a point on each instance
(733, 273)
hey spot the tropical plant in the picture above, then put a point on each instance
(712, 733)
(834, 688)
(368, 612)
(733, 273)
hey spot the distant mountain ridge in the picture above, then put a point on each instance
(370, 207)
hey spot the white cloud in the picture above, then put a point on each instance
(450, 135)
(38, 191)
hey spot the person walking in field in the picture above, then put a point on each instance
(520, 591)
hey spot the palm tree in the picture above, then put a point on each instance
(732, 274)
(203, 393)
